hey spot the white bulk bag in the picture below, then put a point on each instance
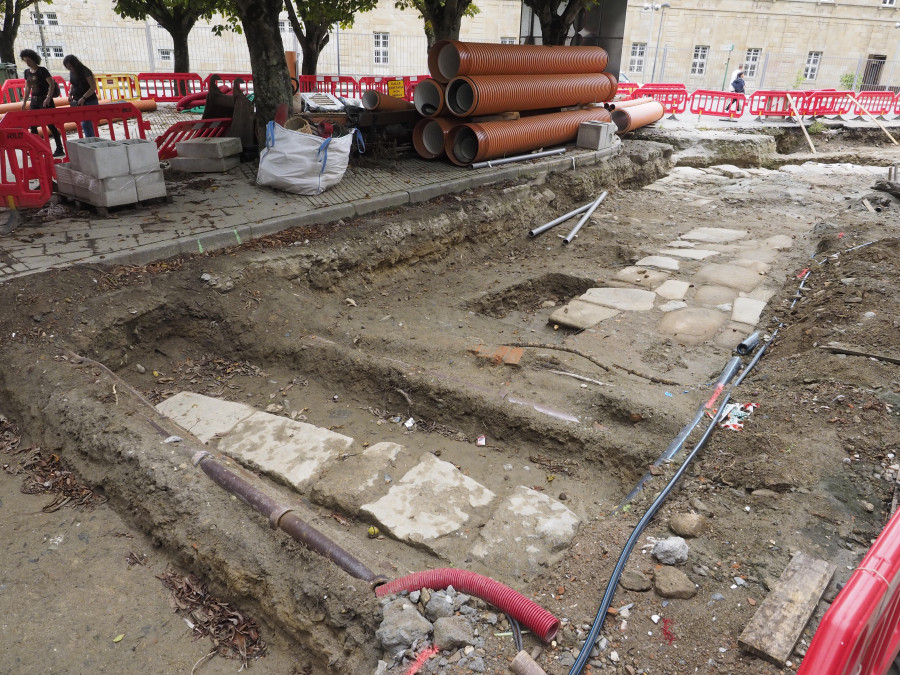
(302, 163)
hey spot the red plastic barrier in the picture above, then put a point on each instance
(338, 85)
(307, 83)
(228, 81)
(121, 112)
(13, 91)
(774, 103)
(169, 87)
(876, 102)
(717, 103)
(382, 85)
(182, 131)
(24, 158)
(826, 102)
(897, 105)
(672, 96)
(411, 82)
(860, 632)
(626, 89)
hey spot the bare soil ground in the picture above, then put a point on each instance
(354, 324)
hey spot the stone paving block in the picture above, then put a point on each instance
(203, 416)
(641, 276)
(660, 262)
(290, 451)
(747, 310)
(672, 305)
(209, 148)
(733, 276)
(780, 242)
(204, 164)
(712, 295)
(690, 253)
(432, 500)
(714, 235)
(693, 325)
(756, 265)
(732, 334)
(580, 314)
(362, 478)
(673, 289)
(627, 299)
(528, 529)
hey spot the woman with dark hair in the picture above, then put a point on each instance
(83, 89)
(39, 86)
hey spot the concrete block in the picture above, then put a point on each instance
(596, 135)
(98, 157)
(112, 191)
(209, 148)
(204, 164)
(150, 185)
(203, 416)
(579, 314)
(143, 155)
(66, 179)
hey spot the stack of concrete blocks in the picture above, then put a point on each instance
(207, 155)
(596, 135)
(111, 173)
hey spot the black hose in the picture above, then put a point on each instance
(516, 631)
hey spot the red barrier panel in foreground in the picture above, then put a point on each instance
(24, 158)
(338, 85)
(13, 91)
(774, 103)
(826, 102)
(182, 131)
(860, 632)
(169, 87)
(626, 88)
(876, 102)
(717, 103)
(672, 96)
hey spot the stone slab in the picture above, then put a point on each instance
(780, 242)
(432, 500)
(210, 148)
(641, 276)
(204, 164)
(290, 451)
(363, 478)
(626, 299)
(203, 416)
(528, 529)
(733, 276)
(580, 314)
(673, 289)
(747, 310)
(659, 262)
(690, 253)
(712, 295)
(672, 305)
(714, 235)
(693, 325)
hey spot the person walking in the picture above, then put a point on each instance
(737, 86)
(39, 90)
(82, 89)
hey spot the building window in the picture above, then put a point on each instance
(284, 26)
(888, 3)
(166, 54)
(381, 48)
(751, 63)
(812, 65)
(638, 54)
(698, 65)
(508, 41)
(50, 51)
(46, 18)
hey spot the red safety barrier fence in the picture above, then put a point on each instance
(24, 158)
(182, 131)
(228, 81)
(338, 85)
(826, 102)
(122, 115)
(169, 87)
(411, 82)
(13, 91)
(626, 88)
(860, 632)
(876, 102)
(672, 96)
(117, 86)
(728, 104)
(390, 86)
(772, 103)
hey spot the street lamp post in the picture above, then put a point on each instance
(896, 54)
(662, 17)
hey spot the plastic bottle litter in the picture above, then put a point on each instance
(481, 440)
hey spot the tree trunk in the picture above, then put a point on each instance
(314, 40)
(446, 23)
(271, 81)
(180, 44)
(310, 57)
(9, 32)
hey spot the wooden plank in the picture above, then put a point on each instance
(775, 628)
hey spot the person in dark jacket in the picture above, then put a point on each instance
(82, 89)
(738, 87)
(39, 87)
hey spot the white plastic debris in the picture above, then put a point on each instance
(481, 440)
(173, 439)
(410, 423)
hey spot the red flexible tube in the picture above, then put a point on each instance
(523, 610)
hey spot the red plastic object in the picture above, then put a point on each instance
(13, 91)
(717, 103)
(626, 89)
(860, 632)
(182, 131)
(338, 85)
(672, 96)
(876, 102)
(227, 80)
(411, 81)
(24, 157)
(379, 84)
(523, 610)
(307, 83)
(169, 87)
(774, 103)
(827, 102)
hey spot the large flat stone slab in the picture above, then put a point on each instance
(527, 530)
(361, 478)
(204, 416)
(626, 299)
(580, 314)
(747, 310)
(673, 289)
(733, 276)
(659, 262)
(641, 276)
(290, 451)
(714, 235)
(432, 500)
(690, 253)
(693, 325)
(713, 295)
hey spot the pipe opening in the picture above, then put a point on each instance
(465, 145)
(460, 97)
(621, 119)
(427, 97)
(433, 138)
(370, 99)
(448, 61)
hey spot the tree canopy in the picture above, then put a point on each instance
(443, 18)
(312, 23)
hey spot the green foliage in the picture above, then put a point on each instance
(167, 11)
(800, 79)
(328, 12)
(430, 10)
(817, 128)
(849, 82)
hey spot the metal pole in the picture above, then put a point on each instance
(149, 46)
(762, 76)
(37, 10)
(517, 158)
(337, 44)
(581, 209)
(857, 75)
(894, 62)
(574, 233)
(662, 17)
(649, 40)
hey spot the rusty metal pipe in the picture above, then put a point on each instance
(593, 207)
(451, 58)
(487, 94)
(430, 134)
(428, 97)
(375, 100)
(629, 119)
(285, 518)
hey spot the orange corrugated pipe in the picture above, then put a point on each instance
(470, 143)
(451, 58)
(428, 97)
(430, 134)
(615, 105)
(487, 94)
(375, 100)
(635, 117)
